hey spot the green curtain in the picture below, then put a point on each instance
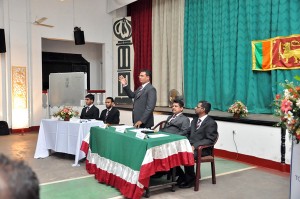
(217, 51)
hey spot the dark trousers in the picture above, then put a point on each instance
(188, 175)
(189, 171)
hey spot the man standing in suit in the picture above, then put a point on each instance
(144, 100)
(177, 123)
(203, 131)
(90, 111)
(110, 115)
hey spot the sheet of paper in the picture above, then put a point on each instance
(140, 135)
(121, 129)
(157, 135)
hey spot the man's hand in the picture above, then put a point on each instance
(123, 80)
(138, 124)
(193, 148)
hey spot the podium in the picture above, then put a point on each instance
(295, 171)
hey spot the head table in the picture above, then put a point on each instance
(126, 162)
(63, 136)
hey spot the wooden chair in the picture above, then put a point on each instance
(160, 125)
(199, 160)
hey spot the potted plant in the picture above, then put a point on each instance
(66, 113)
(287, 108)
(238, 109)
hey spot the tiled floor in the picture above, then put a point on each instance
(60, 180)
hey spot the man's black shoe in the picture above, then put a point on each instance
(179, 181)
(187, 185)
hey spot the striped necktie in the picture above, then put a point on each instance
(172, 118)
(107, 112)
(139, 91)
(198, 123)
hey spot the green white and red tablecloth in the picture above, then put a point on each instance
(126, 162)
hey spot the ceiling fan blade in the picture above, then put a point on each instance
(41, 20)
(46, 25)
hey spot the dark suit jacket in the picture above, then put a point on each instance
(93, 113)
(113, 116)
(143, 105)
(180, 125)
(206, 134)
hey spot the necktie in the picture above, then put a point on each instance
(172, 118)
(139, 91)
(107, 112)
(198, 123)
(87, 109)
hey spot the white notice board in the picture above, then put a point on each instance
(66, 89)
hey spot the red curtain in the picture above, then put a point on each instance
(141, 20)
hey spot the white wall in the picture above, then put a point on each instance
(92, 52)
(24, 46)
(254, 140)
(90, 15)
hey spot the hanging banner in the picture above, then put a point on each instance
(123, 50)
(276, 53)
(19, 87)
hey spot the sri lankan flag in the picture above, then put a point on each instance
(276, 53)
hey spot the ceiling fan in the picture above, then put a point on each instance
(40, 22)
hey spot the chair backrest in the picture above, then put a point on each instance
(214, 145)
(160, 125)
(200, 148)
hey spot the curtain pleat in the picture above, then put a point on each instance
(217, 51)
(167, 50)
(141, 19)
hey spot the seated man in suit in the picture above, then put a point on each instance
(177, 123)
(90, 111)
(110, 115)
(203, 131)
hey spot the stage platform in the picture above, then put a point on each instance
(257, 119)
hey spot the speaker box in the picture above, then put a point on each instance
(2, 41)
(79, 37)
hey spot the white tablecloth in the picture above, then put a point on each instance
(62, 136)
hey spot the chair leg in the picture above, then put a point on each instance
(213, 172)
(198, 176)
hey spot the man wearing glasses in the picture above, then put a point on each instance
(203, 131)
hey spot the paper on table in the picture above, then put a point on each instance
(157, 135)
(121, 129)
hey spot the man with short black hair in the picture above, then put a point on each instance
(90, 111)
(203, 131)
(144, 100)
(111, 114)
(17, 180)
(177, 123)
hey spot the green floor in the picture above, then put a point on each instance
(89, 188)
